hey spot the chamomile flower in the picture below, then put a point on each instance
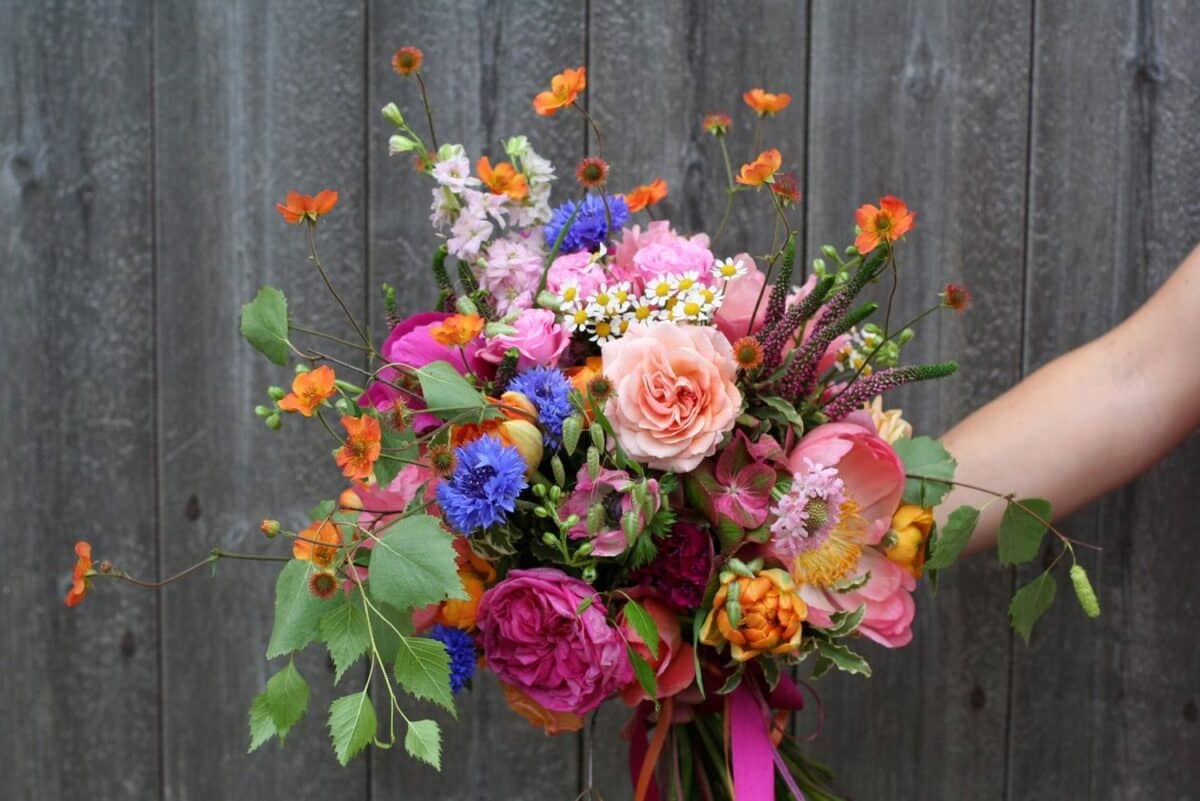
(575, 316)
(660, 289)
(569, 293)
(643, 310)
(604, 331)
(713, 297)
(611, 299)
(729, 269)
(687, 281)
(691, 308)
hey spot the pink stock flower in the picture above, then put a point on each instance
(611, 490)
(535, 638)
(673, 665)
(539, 339)
(868, 467)
(737, 486)
(511, 270)
(886, 594)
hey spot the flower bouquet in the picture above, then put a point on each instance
(613, 462)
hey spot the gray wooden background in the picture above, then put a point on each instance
(1051, 148)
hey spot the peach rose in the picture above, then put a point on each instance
(675, 393)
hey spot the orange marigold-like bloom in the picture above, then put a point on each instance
(308, 391)
(766, 103)
(407, 60)
(457, 329)
(764, 616)
(564, 88)
(298, 207)
(442, 460)
(591, 172)
(322, 584)
(646, 195)
(957, 297)
(887, 223)
(718, 123)
(79, 577)
(762, 170)
(318, 543)
(503, 179)
(748, 353)
(357, 457)
(787, 188)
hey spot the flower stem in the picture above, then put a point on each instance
(428, 111)
(312, 250)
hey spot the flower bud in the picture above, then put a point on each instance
(302, 368)
(465, 305)
(549, 539)
(518, 401)
(571, 521)
(270, 528)
(830, 252)
(499, 329)
(273, 422)
(548, 300)
(391, 113)
(349, 501)
(276, 393)
(400, 144)
(527, 439)
(262, 411)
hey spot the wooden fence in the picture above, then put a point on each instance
(1051, 147)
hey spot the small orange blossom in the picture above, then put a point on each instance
(318, 543)
(308, 391)
(298, 207)
(766, 103)
(564, 88)
(407, 60)
(762, 170)
(457, 329)
(79, 578)
(503, 179)
(888, 223)
(357, 457)
(646, 195)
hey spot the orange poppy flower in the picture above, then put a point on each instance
(766, 103)
(503, 179)
(298, 207)
(308, 391)
(457, 329)
(357, 457)
(407, 60)
(318, 543)
(762, 170)
(564, 88)
(646, 195)
(79, 578)
(888, 223)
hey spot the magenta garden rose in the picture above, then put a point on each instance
(534, 638)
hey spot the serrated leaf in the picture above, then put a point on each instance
(322, 510)
(387, 468)
(388, 626)
(643, 672)
(643, 625)
(423, 741)
(344, 632)
(423, 670)
(413, 564)
(1020, 536)
(262, 725)
(844, 659)
(925, 457)
(734, 680)
(265, 325)
(297, 611)
(821, 666)
(771, 672)
(287, 698)
(352, 725)
(786, 410)
(846, 623)
(952, 538)
(1030, 603)
(447, 394)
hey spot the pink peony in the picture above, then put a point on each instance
(539, 339)
(872, 473)
(644, 255)
(676, 395)
(887, 596)
(611, 488)
(535, 639)
(673, 667)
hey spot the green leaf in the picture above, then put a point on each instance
(734, 680)
(387, 637)
(297, 611)
(643, 672)
(262, 725)
(322, 510)
(643, 624)
(386, 467)
(351, 725)
(785, 410)
(446, 392)
(925, 457)
(770, 671)
(413, 564)
(287, 698)
(423, 670)
(952, 538)
(1021, 533)
(423, 741)
(265, 324)
(821, 666)
(843, 658)
(344, 631)
(1030, 603)
(846, 623)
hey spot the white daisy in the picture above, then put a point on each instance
(729, 269)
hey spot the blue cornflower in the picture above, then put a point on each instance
(589, 229)
(484, 486)
(462, 654)
(549, 391)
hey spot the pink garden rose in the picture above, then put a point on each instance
(539, 339)
(535, 639)
(673, 667)
(645, 255)
(887, 596)
(610, 540)
(868, 466)
(676, 395)
(579, 268)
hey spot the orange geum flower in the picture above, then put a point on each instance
(755, 615)
(318, 543)
(79, 577)
(957, 297)
(407, 60)
(591, 172)
(298, 207)
(476, 574)
(762, 170)
(646, 195)
(766, 103)
(503, 179)
(309, 390)
(718, 123)
(564, 88)
(358, 455)
(887, 223)
(457, 330)
(787, 189)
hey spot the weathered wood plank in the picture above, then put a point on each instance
(251, 100)
(1106, 709)
(484, 62)
(79, 686)
(928, 101)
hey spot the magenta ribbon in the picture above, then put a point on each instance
(755, 757)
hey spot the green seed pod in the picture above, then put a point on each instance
(273, 421)
(548, 300)
(589, 574)
(555, 493)
(571, 522)
(597, 433)
(498, 329)
(560, 472)
(539, 490)
(584, 550)
(465, 305)
(593, 463)
(302, 368)
(595, 519)
(1084, 591)
(572, 428)
(631, 525)
(540, 511)
(549, 539)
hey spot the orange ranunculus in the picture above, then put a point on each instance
(891, 221)
(318, 543)
(538, 715)
(905, 543)
(476, 574)
(764, 617)
(457, 329)
(357, 456)
(407, 60)
(298, 207)
(503, 179)
(766, 103)
(79, 578)
(762, 170)
(564, 88)
(646, 195)
(308, 391)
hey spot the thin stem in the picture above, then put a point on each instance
(330, 337)
(312, 252)
(887, 316)
(730, 190)
(214, 556)
(428, 111)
